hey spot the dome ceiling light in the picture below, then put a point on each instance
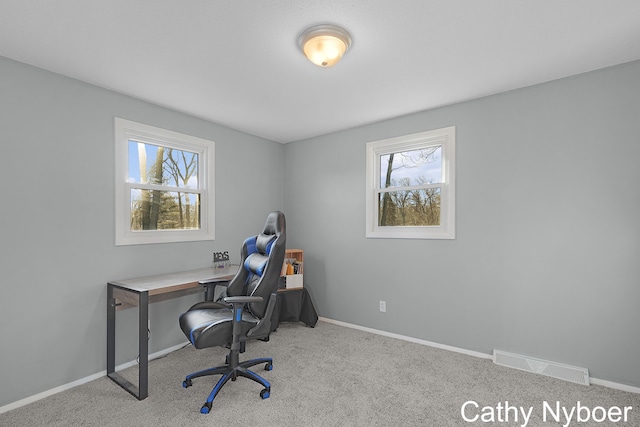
(324, 44)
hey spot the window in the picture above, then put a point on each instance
(411, 186)
(164, 185)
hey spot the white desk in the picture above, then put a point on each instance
(140, 293)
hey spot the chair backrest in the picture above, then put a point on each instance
(261, 264)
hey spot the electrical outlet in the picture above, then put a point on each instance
(383, 306)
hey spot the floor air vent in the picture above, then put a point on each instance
(573, 374)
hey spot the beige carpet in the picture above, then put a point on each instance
(329, 376)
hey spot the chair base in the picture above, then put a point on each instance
(231, 373)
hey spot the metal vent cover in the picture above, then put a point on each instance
(561, 371)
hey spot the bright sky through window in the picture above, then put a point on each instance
(178, 164)
(412, 167)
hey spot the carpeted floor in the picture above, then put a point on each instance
(332, 376)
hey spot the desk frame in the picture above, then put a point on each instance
(141, 292)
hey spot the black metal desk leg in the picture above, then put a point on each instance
(111, 331)
(142, 390)
(143, 346)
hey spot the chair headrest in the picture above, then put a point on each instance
(264, 242)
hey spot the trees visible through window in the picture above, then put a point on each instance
(410, 186)
(162, 182)
(410, 183)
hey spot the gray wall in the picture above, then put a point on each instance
(57, 224)
(546, 260)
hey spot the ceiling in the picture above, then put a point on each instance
(237, 63)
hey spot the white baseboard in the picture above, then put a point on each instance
(596, 381)
(410, 339)
(47, 393)
(617, 386)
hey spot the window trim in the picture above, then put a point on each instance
(126, 130)
(446, 230)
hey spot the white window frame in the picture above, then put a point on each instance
(126, 130)
(446, 230)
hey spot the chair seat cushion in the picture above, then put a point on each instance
(213, 327)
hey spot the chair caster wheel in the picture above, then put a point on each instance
(205, 408)
(187, 383)
(265, 394)
(268, 366)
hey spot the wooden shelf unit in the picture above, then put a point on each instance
(294, 281)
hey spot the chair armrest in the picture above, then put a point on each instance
(238, 304)
(241, 299)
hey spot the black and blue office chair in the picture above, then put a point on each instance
(244, 313)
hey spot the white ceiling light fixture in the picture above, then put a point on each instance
(324, 44)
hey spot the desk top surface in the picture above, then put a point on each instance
(171, 281)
